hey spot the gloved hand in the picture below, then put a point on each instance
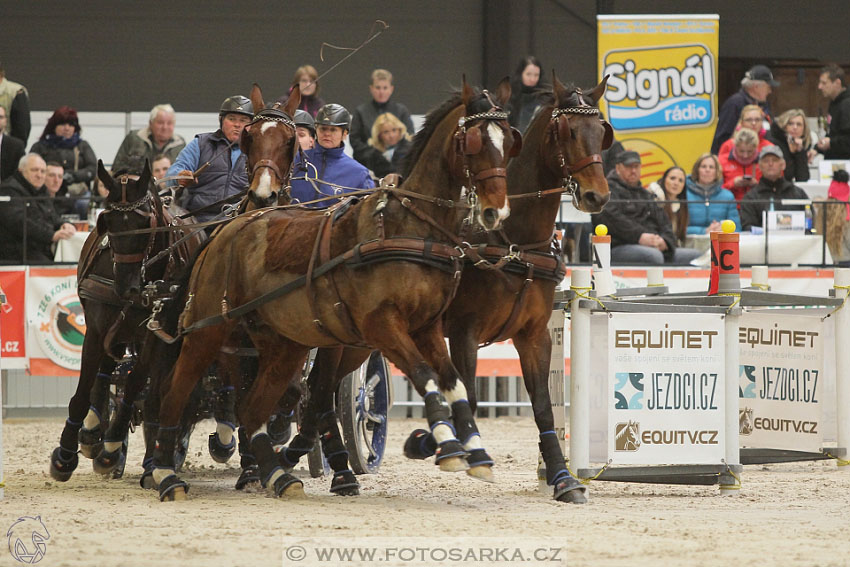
(68, 177)
(186, 182)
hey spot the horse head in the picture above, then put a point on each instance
(132, 204)
(268, 143)
(484, 143)
(574, 142)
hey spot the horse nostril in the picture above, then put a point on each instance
(490, 216)
(594, 201)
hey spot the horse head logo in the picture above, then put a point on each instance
(627, 436)
(28, 539)
(745, 421)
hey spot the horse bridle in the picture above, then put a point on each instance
(137, 207)
(568, 185)
(271, 115)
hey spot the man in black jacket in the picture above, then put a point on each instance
(640, 230)
(833, 85)
(11, 149)
(756, 86)
(771, 189)
(34, 217)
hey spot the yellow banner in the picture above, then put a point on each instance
(662, 86)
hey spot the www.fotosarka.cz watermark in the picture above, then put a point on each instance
(431, 551)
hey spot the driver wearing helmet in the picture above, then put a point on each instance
(305, 129)
(226, 174)
(325, 170)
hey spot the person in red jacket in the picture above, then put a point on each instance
(739, 163)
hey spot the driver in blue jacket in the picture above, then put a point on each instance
(325, 170)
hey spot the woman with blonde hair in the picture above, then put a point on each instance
(306, 77)
(390, 142)
(791, 133)
(752, 118)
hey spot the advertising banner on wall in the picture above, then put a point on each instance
(781, 381)
(662, 86)
(56, 322)
(13, 343)
(666, 388)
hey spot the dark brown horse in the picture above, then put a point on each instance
(378, 272)
(560, 154)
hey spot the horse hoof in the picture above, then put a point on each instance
(91, 442)
(62, 467)
(453, 464)
(220, 452)
(173, 489)
(146, 482)
(287, 486)
(482, 472)
(415, 445)
(570, 491)
(106, 462)
(249, 475)
(345, 483)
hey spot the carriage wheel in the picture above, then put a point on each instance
(364, 401)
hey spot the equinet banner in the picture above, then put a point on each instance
(662, 86)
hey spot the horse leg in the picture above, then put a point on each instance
(94, 423)
(534, 347)
(387, 330)
(433, 346)
(222, 443)
(162, 357)
(280, 361)
(198, 351)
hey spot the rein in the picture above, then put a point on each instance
(567, 170)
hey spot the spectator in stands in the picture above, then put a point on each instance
(740, 169)
(37, 217)
(752, 117)
(157, 138)
(526, 88)
(60, 142)
(305, 129)
(366, 114)
(15, 99)
(11, 149)
(833, 85)
(55, 183)
(160, 165)
(390, 138)
(705, 184)
(325, 170)
(791, 134)
(671, 188)
(306, 78)
(224, 171)
(772, 188)
(756, 86)
(640, 231)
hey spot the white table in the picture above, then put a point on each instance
(68, 250)
(789, 248)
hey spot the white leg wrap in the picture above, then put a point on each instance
(225, 433)
(261, 431)
(91, 420)
(274, 476)
(455, 394)
(161, 474)
(112, 446)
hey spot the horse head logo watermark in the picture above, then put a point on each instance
(627, 436)
(28, 539)
(745, 421)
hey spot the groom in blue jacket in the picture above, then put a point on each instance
(325, 170)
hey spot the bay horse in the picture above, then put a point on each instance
(376, 273)
(109, 289)
(560, 154)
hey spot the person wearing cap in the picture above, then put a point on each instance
(156, 138)
(224, 171)
(771, 189)
(640, 230)
(305, 129)
(756, 86)
(833, 85)
(325, 170)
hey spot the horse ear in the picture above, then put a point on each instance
(257, 98)
(467, 92)
(561, 92)
(103, 175)
(293, 101)
(596, 92)
(146, 175)
(517, 146)
(503, 92)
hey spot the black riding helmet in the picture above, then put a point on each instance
(333, 115)
(236, 104)
(302, 118)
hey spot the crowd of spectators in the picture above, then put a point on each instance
(755, 159)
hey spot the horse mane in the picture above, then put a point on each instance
(434, 117)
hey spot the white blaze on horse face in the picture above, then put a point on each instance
(441, 432)
(264, 187)
(497, 136)
(266, 126)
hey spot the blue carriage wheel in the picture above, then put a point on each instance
(364, 404)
